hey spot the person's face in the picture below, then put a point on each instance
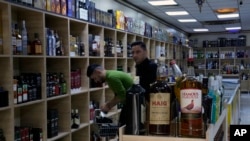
(139, 54)
(97, 76)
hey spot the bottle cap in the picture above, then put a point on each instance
(172, 62)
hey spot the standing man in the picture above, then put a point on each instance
(119, 82)
(145, 69)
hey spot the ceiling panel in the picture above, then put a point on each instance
(206, 13)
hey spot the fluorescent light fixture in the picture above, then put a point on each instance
(162, 2)
(177, 13)
(222, 16)
(200, 29)
(233, 28)
(187, 20)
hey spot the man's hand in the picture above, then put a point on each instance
(105, 108)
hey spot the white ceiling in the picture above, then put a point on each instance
(207, 13)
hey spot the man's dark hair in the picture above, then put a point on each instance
(140, 43)
(91, 69)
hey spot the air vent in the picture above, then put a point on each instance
(220, 22)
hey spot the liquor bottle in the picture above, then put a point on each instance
(72, 117)
(58, 44)
(178, 78)
(13, 40)
(53, 43)
(19, 49)
(24, 39)
(191, 122)
(76, 121)
(36, 45)
(160, 103)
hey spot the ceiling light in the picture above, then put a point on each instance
(226, 10)
(187, 20)
(162, 2)
(177, 13)
(233, 28)
(200, 29)
(222, 16)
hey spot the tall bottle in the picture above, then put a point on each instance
(178, 78)
(160, 103)
(24, 39)
(19, 49)
(191, 122)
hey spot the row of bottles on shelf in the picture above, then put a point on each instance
(21, 43)
(86, 10)
(28, 134)
(54, 46)
(4, 97)
(221, 54)
(27, 87)
(226, 42)
(56, 84)
(181, 103)
(76, 46)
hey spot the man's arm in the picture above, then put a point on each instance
(107, 106)
(153, 72)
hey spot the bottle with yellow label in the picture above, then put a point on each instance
(160, 103)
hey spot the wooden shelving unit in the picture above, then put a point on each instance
(34, 113)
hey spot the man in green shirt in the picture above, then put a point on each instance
(119, 82)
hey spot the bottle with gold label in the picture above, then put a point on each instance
(191, 122)
(160, 103)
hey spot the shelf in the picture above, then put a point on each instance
(48, 67)
(59, 136)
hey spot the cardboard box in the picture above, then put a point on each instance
(58, 6)
(40, 4)
(48, 5)
(63, 7)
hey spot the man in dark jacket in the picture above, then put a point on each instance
(145, 68)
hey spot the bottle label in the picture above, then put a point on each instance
(159, 111)
(38, 49)
(191, 101)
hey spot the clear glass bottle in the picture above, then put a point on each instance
(24, 39)
(178, 76)
(160, 103)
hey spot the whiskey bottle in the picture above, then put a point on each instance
(36, 45)
(160, 103)
(191, 122)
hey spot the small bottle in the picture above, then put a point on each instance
(160, 103)
(36, 45)
(76, 119)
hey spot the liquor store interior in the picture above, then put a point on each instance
(124, 70)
